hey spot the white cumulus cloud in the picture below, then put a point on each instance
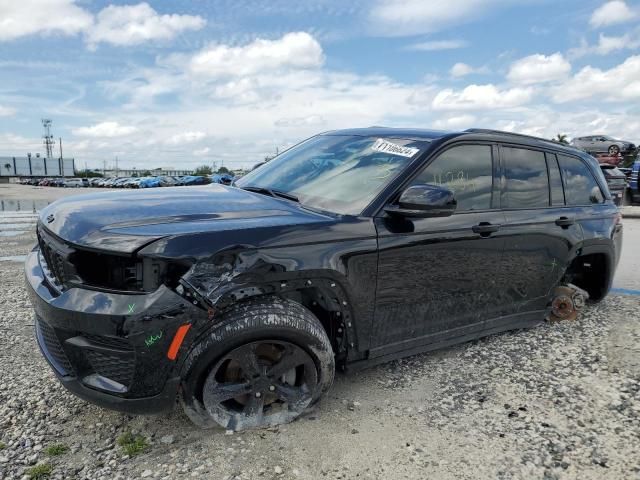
(186, 137)
(612, 13)
(608, 44)
(293, 50)
(477, 97)
(411, 17)
(19, 18)
(462, 70)
(620, 83)
(539, 69)
(435, 45)
(105, 130)
(135, 24)
(7, 111)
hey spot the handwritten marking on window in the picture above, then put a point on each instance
(457, 180)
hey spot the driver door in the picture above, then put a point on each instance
(439, 277)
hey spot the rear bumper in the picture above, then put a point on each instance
(106, 351)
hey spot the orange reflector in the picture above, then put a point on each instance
(177, 341)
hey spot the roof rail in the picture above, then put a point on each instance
(501, 132)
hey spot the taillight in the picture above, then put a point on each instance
(617, 219)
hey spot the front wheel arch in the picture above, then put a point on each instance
(254, 320)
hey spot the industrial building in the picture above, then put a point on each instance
(30, 166)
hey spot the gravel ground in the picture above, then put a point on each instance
(561, 400)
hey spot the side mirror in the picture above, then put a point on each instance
(424, 201)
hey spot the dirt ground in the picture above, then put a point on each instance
(559, 401)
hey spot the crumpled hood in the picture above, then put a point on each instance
(124, 221)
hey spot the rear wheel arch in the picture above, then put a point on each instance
(592, 270)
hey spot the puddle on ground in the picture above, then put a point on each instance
(11, 233)
(14, 258)
(16, 226)
(25, 205)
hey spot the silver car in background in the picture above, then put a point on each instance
(602, 144)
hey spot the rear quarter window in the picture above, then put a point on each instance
(580, 186)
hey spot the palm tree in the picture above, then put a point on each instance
(561, 138)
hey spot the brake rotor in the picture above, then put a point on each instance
(567, 302)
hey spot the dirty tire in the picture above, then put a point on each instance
(236, 374)
(614, 150)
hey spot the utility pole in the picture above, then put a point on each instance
(117, 166)
(61, 161)
(104, 168)
(48, 138)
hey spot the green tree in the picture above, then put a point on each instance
(561, 138)
(203, 170)
(88, 173)
(146, 173)
(223, 170)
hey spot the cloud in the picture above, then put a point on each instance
(612, 13)
(20, 18)
(105, 130)
(297, 49)
(620, 83)
(462, 70)
(186, 137)
(396, 18)
(477, 97)
(135, 24)
(7, 111)
(116, 25)
(202, 152)
(435, 45)
(607, 45)
(539, 69)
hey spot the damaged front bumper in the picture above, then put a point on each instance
(111, 348)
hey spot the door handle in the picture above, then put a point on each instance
(485, 228)
(565, 222)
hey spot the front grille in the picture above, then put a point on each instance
(54, 263)
(115, 367)
(51, 343)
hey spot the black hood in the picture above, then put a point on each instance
(124, 221)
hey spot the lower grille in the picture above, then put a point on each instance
(51, 343)
(114, 367)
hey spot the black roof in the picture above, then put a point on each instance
(475, 133)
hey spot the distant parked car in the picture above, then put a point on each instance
(224, 179)
(634, 185)
(167, 181)
(149, 182)
(603, 143)
(73, 183)
(617, 182)
(195, 180)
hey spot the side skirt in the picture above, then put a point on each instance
(439, 341)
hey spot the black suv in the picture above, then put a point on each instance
(352, 248)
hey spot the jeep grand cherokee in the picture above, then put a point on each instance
(352, 248)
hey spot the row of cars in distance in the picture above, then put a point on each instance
(131, 182)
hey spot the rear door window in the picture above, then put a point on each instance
(580, 186)
(525, 183)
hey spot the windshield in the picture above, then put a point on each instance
(338, 173)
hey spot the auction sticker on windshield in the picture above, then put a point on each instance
(394, 149)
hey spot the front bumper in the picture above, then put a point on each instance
(111, 348)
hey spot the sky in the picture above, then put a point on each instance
(177, 84)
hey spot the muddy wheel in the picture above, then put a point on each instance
(264, 365)
(614, 150)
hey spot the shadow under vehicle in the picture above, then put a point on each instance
(352, 248)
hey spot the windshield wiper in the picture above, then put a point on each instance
(272, 193)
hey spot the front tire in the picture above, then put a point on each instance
(265, 363)
(614, 150)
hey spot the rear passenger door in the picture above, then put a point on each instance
(541, 231)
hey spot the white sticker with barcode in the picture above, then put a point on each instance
(384, 146)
